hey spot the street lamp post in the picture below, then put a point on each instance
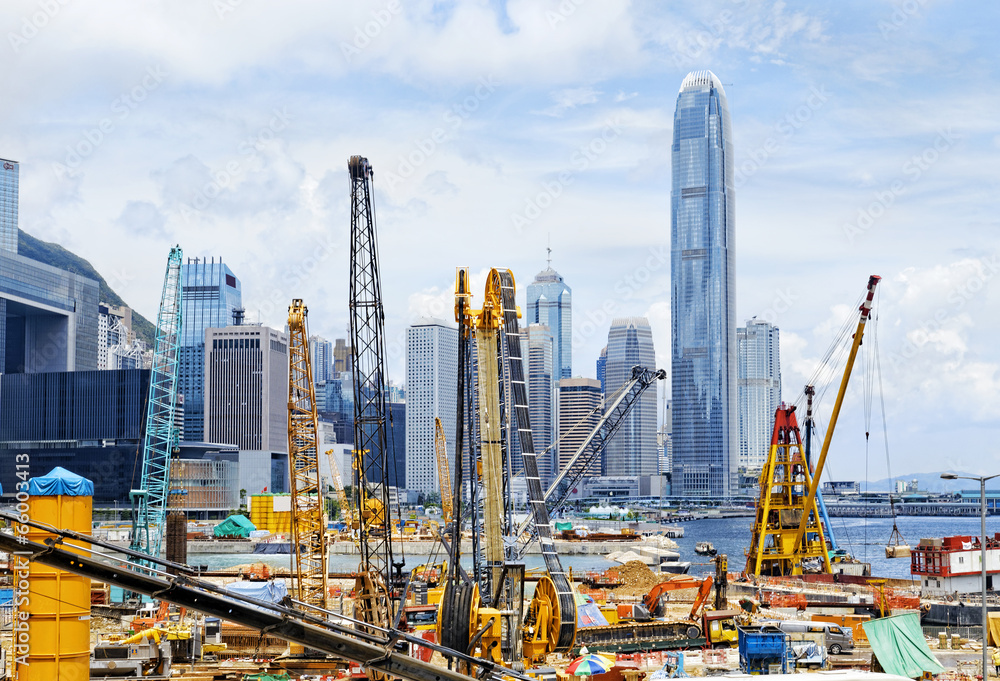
(982, 546)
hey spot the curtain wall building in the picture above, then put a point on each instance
(759, 390)
(579, 402)
(540, 395)
(431, 391)
(550, 303)
(210, 295)
(632, 451)
(321, 359)
(703, 291)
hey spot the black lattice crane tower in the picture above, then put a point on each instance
(308, 529)
(371, 468)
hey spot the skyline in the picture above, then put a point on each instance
(864, 135)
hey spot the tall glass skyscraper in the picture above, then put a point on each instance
(550, 303)
(759, 385)
(703, 293)
(632, 451)
(541, 396)
(9, 178)
(210, 294)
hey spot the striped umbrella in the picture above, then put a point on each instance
(588, 665)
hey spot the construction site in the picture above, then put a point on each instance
(89, 607)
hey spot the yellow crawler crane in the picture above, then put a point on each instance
(444, 475)
(308, 528)
(787, 531)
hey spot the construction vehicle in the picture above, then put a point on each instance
(373, 649)
(375, 603)
(311, 570)
(149, 502)
(788, 536)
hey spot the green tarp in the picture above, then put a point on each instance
(234, 526)
(560, 526)
(898, 643)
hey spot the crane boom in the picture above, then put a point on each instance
(338, 487)
(597, 439)
(370, 441)
(308, 529)
(149, 502)
(444, 475)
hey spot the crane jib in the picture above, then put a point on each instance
(536, 495)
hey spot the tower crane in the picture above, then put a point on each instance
(149, 502)
(787, 529)
(374, 604)
(308, 529)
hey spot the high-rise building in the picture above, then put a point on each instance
(341, 356)
(579, 413)
(210, 295)
(540, 396)
(117, 346)
(664, 440)
(550, 303)
(321, 358)
(9, 197)
(246, 401)
(602, 368)
(632, 451)
(759, 389)
(431, 391)
(703, 291)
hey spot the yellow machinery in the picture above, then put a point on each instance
(787, 530)
(444, 475)
(308, 529)
(346, 512)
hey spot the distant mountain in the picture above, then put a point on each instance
(57, 256)
(931, 482)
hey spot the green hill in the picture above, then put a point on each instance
(57, 256)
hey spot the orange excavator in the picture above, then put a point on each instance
(656, 600)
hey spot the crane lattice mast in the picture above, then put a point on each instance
(308, 529)
(371, 461)
(149, 502)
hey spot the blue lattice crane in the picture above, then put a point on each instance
(149, 502)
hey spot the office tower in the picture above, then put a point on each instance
(341, 356)
(211, 295)
(579, 412)
(431, 391)
(759, 390)
(632, 451)
(9, 198)
(703, 291)
(602, 367)
(246, 401)
(321, 359)
(397, 441)
(664, 440)
(540, 395)
(550, 303)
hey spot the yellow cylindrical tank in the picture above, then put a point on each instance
(56, 607)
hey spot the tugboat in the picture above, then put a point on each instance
(704, 548)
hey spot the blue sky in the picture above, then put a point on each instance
(866, 140)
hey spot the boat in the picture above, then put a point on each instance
(704, 548)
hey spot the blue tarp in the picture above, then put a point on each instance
(6, 598)
(269, 592)
(60, 481)
(588, 613)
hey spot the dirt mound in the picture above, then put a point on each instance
(635, 576)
